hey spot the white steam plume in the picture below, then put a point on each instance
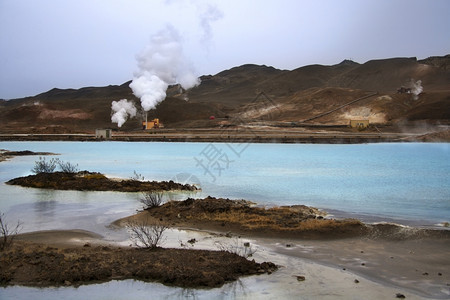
(416, 88)
(210, 13)
(122, 109)
(161, 64)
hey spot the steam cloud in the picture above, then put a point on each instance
(161, 64)
(416, 88)
(209, 14)
(122, 109)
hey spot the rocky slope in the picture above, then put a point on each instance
(288, 96)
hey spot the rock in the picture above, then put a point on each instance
(300, 278)
(192, 241)
(67, 283)
(400, 296)
(356, 281)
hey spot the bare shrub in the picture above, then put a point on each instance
(236, 246)
(137, 177)
(68, 167)
(151, 199)
(146, 236)
(43, 166)
(7, 234)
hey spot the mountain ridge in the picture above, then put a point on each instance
(296, 94)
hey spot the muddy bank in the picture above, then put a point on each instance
(241, 217)
(93, 181)
(411, 258)
(6, 154)
(33, 264)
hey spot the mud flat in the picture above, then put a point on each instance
(411, 259)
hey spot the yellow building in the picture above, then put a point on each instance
(360, 124)
(150, 124)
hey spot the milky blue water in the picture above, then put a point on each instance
(408, 182)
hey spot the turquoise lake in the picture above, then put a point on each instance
(402, 182)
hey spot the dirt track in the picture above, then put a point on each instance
(232, 135)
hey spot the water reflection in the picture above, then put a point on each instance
(45, 204)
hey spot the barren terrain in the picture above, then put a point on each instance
(269, 100)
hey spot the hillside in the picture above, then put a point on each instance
(288, 96)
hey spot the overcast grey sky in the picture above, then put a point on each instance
(77, 43)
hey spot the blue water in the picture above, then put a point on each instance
(401, 181)
(405, 182)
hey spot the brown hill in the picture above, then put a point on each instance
(288, 96)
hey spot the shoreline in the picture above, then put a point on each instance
(319, 135)
(390, 265)
(410, 258)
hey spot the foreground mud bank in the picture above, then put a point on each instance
(33, 264)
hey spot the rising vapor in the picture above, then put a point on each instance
(123, 110)
(161, 64)
(416, 88)
(208, 14)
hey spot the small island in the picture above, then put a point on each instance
(94, 181)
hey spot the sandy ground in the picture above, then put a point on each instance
(346, 268)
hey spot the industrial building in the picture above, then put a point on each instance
(151, 124)
(103, 133)
(360, 124)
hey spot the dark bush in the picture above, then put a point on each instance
(43, 166)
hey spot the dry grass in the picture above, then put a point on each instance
(94, 176)
(235, 215)
(277, 218)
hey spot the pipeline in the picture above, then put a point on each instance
(338, 108)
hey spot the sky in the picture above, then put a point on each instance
(47, 44)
